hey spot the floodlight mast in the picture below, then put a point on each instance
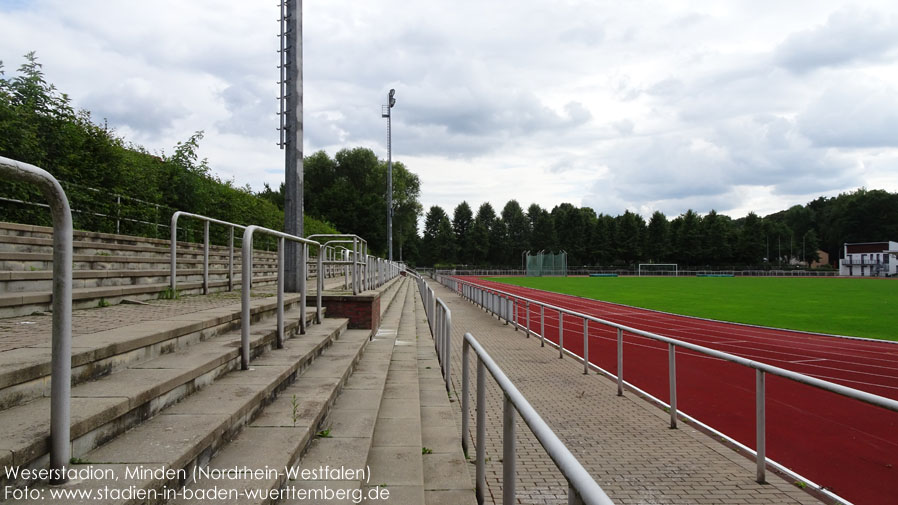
(385, 112)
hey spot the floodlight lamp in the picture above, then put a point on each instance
(392, 102)
(392, 92)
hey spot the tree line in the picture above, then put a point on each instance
(788, 237)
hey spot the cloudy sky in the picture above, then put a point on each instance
(639, 105)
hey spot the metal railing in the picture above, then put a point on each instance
(582, 488)
(61, 359)
(582, 271)
(439, 318)
(247, 280)
(510, 307)
(357, 261)
(174, 248)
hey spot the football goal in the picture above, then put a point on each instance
(658, 269)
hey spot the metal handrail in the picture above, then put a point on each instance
(174, 248)
(359, 248)
(439, 318)
(582, 488)
(505, 306)
(61, 359)
(247, 281)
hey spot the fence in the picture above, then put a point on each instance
(61, 358)
(99, 210)
(516, 309)
(585, 271)
(439, 317)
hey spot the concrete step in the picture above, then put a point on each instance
(25, 371)
(296, 420)
(8, 230)
(448, 479)
(352, 423)
(21, 304)
(189, 250)
(42, 280)
(29, 261)
(187, 433)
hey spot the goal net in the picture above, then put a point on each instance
(658, 269)
(547, 264)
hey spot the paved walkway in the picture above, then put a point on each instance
(623, 442)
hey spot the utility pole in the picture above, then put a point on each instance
(291, 139)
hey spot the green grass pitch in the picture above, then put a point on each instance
(856, 307)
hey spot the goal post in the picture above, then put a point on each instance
(658, 269)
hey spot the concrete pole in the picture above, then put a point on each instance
(293, 204)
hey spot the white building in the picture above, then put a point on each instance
(876, 259)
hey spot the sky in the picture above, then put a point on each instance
(736, 106)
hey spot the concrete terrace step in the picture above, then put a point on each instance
(190, 432)
(24, 303)
(106, 407)
(32, 261)
(42, 280)
(351, 424)
(447, 477)
(189, 250)
(25, 371)
(8, 230)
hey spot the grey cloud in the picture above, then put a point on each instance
(848, 36)
(249, 113)
(135, 104)
(624, 127)
(853, 115)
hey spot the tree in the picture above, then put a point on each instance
(750, 242)
(687, 240)
(657, 238)
(715, 232)
(480, 233)
(542, 229)
(517, 229)
(462, 221)
(438, 239)
(628, 236)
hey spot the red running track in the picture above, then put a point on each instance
(847, 446)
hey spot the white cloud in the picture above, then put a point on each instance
(640, 105)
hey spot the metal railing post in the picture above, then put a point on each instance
(760, 428)
(231, 260)
(542, 325)
(205, 257)
(280, 294)
(303, 261)
(320, 288)
(448, 347)
(620, 362)
(560, 335)
(465, 393)
(585, 346)
(508, 452)
(672, 369)
(246, 283)
(173, 281)
(61, 343)
(528, 319)
(480, 470)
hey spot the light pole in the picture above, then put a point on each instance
(385, 112)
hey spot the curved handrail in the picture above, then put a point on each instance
(247, 281)
(581, 485)
(174, 248)
(61, 360)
